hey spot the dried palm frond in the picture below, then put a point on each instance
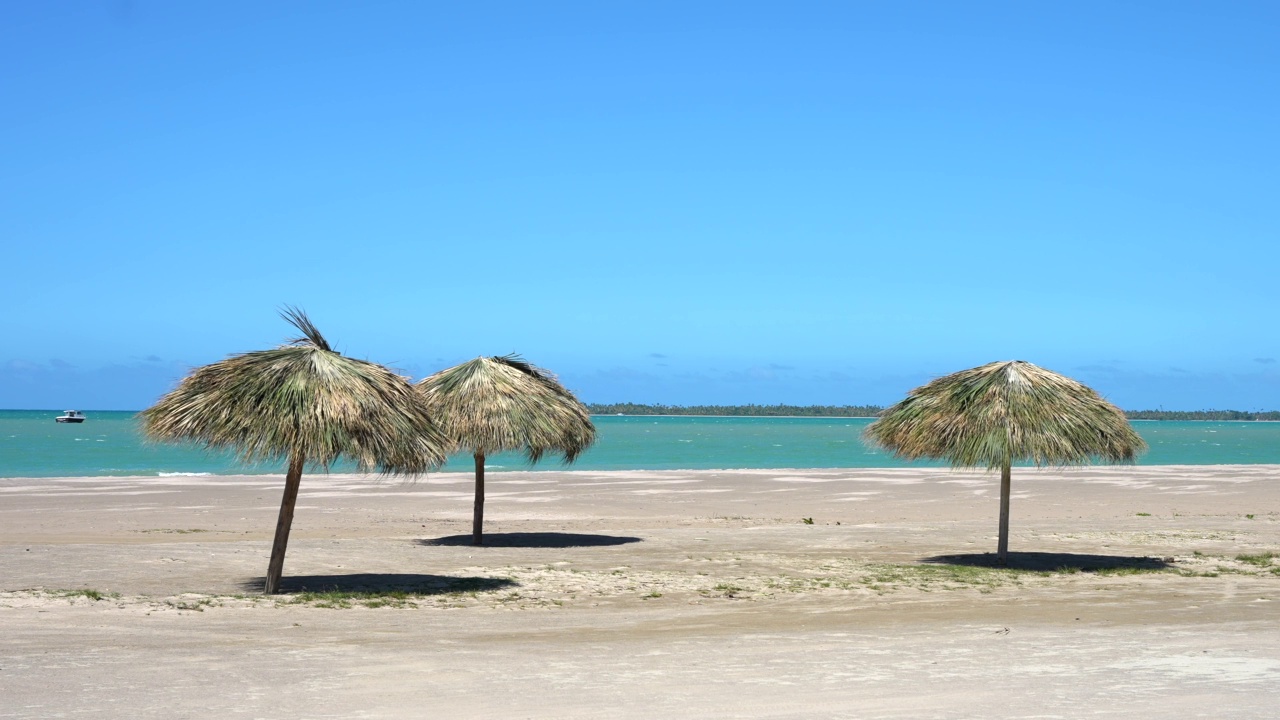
(1003, 411)
(496, 404)
(302, 399)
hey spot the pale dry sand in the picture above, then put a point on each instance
(646, 595)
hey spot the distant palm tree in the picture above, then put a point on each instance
(994, 415)
(304, 403)
(496, 404)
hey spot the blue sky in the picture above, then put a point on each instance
(661, 202)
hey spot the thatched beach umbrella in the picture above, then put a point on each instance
(496, 404)
(994, 415)
(304, 403)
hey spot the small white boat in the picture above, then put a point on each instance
(70, 416)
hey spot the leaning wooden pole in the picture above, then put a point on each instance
(1002, 549)
(291, 482)
(477, 517)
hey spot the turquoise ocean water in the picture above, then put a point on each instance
(33, 445)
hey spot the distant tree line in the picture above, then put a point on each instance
(875, 410)
(737, 410)
(1200, 415)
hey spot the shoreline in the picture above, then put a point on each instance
(501, 470)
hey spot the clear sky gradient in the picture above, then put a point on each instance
(684, 203)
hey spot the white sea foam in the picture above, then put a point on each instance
(185, 474)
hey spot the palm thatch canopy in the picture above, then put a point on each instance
(498, 404)
(1006, 411)
(301, 402)
(302, 399)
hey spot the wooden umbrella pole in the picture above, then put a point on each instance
(477, 518)
(1002, 550)
(291, 483)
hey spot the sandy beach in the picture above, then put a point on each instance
(646, 594)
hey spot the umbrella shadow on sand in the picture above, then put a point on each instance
(414, 583)
(534, 540)
(1054, 562)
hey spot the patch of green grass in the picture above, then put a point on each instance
(1249, 516)
(175, 531)
(1116, 571)
(342, 599)
(88, 593)
(727, 589)
(987, 578)
(197, 605)
(1261, 559)
(332, 599)
(946, 577)
(1144, 514)
(807, 521)
(453, 588)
